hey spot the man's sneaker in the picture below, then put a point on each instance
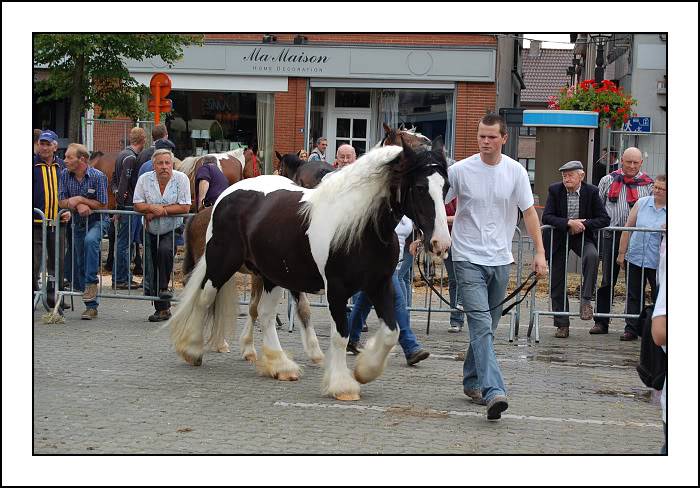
(586, 311)
(417, 357)
(89, 314)
(125, 286)
(354, 348)
(165, 294)
(159, 316)
(496, 406)
(455, 328)
(475, 396)
(90, 292)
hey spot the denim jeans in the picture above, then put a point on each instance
(85, 253)
(362, 306)
(406, 276)
(456, 318)
(121, 270)
(482, 287)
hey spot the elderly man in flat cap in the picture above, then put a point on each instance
(575, 210)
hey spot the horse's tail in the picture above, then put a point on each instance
(192, 314)
(188, 260)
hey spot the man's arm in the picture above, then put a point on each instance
(600, 216)
(532, 224)
(202, 192)
(124, 178)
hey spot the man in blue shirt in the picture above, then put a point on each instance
(84, 189)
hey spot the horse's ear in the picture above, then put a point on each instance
(387, 129)
(279, 156)
(438, 147)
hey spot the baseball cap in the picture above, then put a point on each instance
(48, 135)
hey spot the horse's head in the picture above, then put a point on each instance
(403, 137)
(419, 186)
(289, 164)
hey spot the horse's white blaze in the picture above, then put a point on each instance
(441, 234)
(372, 360)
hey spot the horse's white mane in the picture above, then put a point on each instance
(349, 198)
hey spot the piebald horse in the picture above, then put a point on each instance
(338, 237)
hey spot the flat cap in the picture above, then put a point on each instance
(571, 165)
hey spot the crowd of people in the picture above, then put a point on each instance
(489, 193)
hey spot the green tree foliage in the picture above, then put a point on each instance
(89, 69)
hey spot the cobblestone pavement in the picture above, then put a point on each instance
(115, 385)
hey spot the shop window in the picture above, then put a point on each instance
(352, 99)
(529, 165)
(528, 131)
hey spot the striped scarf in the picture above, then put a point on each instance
(632, 183)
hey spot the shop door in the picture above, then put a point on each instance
(348, 127)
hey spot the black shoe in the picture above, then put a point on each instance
(496, 406)
(165, 294)
(354, 348)
(137, 272)
(417, 357)
(125, 286)
(159, 316)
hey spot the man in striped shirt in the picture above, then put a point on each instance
(619, 191)
(45, 188)
(84, 189)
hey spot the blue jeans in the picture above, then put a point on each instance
(362, 306)
(456, 318)
(121, 270)
(406, 276)
(482, 287)
(86, 252)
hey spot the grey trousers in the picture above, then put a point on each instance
(560, 300)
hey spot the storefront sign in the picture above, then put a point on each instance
(367, 62)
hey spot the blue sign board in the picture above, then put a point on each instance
(560, 118)
(637, 124)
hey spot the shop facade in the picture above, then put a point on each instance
(237, 90)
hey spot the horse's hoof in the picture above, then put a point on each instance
(223, 348)
(251, 357)
(317, 361)
(287, 376)
(347, 397)
(193, 360)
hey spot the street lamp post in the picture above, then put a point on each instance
(598, 76)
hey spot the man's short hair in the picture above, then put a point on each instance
(137, 135)
(158, 152)
(661, 178)
(159, 131)
(320, 139)
(493, 119)
(80, 151)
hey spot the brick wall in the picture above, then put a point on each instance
(473, 101)
(290, 107)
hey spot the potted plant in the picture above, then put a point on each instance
(614, 107)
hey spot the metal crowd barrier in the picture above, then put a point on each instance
(40, 294)
(535, 313)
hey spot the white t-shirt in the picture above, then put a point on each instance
(403, 229)
(488, 197)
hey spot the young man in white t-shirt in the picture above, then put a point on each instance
(490, 187)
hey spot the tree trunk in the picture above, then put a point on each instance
(76, 101)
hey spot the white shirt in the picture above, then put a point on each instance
(488, 198)
(403, 230)
(177, 191)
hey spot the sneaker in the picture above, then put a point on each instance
(598, 329)
(475, 396)
(165, 294)
(353, 348)
(89, 314)
(455, 328)
(125, 286)
(628, 336)
(586, 311)
(562, 332)
(496, 406)
(159, 316)
(90, 292)
(417, 357)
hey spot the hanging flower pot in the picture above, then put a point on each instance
(613, 106)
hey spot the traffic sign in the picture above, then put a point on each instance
(637, 124)
(165, 105)
(163, 81)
